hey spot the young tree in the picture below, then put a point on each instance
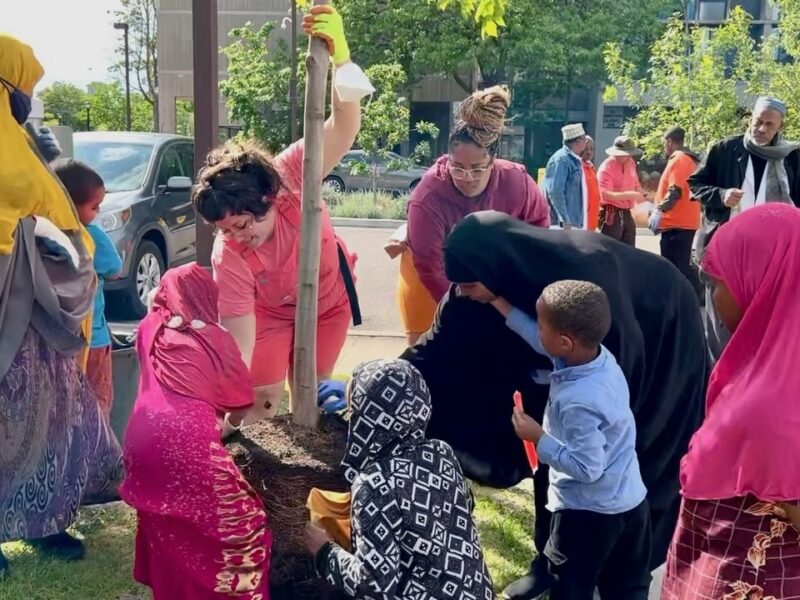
(64, 104)
(257, 88)
(140, 15)
(386, 124)
(705, 80)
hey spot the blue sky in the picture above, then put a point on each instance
(73, 39)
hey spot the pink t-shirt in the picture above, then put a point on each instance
(275, 290)
(436, 207)
(617, 176)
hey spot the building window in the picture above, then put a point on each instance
(752, 7)
(712, 10)
(691, 10)
(757, 34)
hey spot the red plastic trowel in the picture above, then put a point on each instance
(530, 449)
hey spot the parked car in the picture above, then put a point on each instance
(147, 211)
(398, 181)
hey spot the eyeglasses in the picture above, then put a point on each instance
(468, 174)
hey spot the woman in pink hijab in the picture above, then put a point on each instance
(202, 531)
(740, 478)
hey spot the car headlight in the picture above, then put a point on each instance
(111, 221)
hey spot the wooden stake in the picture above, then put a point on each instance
(304, 402)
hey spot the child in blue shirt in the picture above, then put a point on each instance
(600, 531)
(87, 190)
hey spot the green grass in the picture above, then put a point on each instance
(105, 573)
(505, 525)
(504, 519)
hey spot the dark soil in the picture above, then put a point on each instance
(283, 461)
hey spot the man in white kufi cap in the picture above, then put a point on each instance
(564, 182)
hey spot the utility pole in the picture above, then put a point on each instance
(206, 102)
(125, 29)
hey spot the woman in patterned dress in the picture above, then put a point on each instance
(56, 450)
(412, 530)
(740, 481)
(202, 531)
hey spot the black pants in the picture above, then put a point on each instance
(618, 223)
(609, 552)
(676, 247)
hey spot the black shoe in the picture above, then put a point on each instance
(5, 570)
(532, 585)
(61, 545)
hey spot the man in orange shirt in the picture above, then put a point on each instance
(592, 187)
(677, 215)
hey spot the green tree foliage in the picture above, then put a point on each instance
(546, 50)
(64, 104)
(386, 123)
(488, 14)
(257, 88)
(184, 117)
(107, 101)
(705, 80)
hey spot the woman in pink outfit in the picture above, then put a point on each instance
(202, 531)
(740, 480)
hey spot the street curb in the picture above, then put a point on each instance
(369, 223)
(395, 223)
(374, 334)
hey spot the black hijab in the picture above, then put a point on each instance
(473, 363)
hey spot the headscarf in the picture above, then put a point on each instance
(191, 353)
(474, 363)
(390, 408)
(751, 428)
(27, 186)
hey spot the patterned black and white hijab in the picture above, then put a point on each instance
(390, 407)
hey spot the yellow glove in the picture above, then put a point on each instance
(326, 24)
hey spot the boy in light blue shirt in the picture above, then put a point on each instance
(600, 532)
(87, 191)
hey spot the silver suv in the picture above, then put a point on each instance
(397, 181)
(147, 211)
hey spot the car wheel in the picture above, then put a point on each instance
(147, 269)
(335, 182)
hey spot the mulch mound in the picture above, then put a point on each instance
(283, 461)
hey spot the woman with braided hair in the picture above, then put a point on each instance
(469, 178)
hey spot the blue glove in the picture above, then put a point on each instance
(654, 223)
(48, 144)
(330, 396)
(328, 388)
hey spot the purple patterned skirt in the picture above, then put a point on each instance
(56, 449)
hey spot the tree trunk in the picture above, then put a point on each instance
(304, 402)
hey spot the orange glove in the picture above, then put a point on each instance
(325, 23)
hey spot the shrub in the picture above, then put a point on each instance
(366, 205)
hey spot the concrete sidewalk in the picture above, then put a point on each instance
(359, 348)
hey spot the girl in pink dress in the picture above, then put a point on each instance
(738, 535)
(202, 531)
